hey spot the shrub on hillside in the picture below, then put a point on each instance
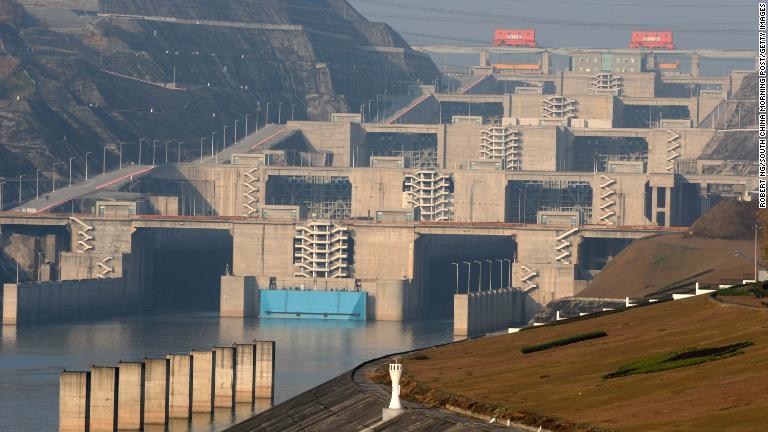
(562, 342)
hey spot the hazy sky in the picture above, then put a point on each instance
(570, 23)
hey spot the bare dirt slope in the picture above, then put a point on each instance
(662, 262)
(567, 384)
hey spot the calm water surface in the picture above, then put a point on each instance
(308, 353)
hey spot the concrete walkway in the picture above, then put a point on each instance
(351, 402)
(112, 179)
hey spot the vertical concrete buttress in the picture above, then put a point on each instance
(130, 394)
(224, 377)
(245, 369)
(204, 363)
(265, 370)
(103, 399)
(180, 386)
(74, 392)
(156, 376)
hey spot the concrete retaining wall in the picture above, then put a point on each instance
(133, 395)
(488, 311)
(37, 302)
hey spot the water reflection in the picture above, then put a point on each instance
(308, 353)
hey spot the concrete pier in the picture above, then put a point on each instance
(224, 377)
(487, 311)
(180, 386)
(74, 395)
(239, 297)
(103, 400)
(265, 370)
(167, 393)
(203, 381)
(156, 377)
(245, 370)
(130, 393)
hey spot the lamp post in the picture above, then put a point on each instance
(154, 150)
(246, 124)
(293, 108)
(235, 139)
(757, 228)
(202, 140)
(37, 184)
(213, 139)
(120, 154)
(2, 206)
(280, 113)
(224, 143)
(53, 176)
(509, 264)
(457, 276)
(266, 115)
(258, 118)
(469, 271)
(490, 274)
(166, 150)
(86, 165)
(70, 170)
(178, 153)
(480, 279)
(39, 264)
(501, 273)
(104, 160)
(140, 140)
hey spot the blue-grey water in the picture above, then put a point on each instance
(308, 353)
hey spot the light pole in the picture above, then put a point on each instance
(480, 279)
(86, 165)
(140, 140)
(279, 113)
(293, 107)
(202, 140)
(2, 206)
(37, 184)
(39, 264)
(509, 264)
(70, 170)
(120, 154)
(469, 272)
(377, 108)
(104, 160)
(178, 153)
(213, 139)
(501, 273)
(266, 115)
(154, 150)
(258, 118)
(166, 151)
(20, 177)
(53, 176)
(757, 227)
(224, 143)
(235, 139)
(490, 274)
(457, 276)
(246, 124)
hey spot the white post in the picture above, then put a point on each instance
(395, 373)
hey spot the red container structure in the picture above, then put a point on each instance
(518, 38)
(652, 40)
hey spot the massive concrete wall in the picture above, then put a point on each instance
(65, 301)
(483, 312)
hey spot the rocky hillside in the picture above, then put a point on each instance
(77, 75)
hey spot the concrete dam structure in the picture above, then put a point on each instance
(507, 182)
(138, 395)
